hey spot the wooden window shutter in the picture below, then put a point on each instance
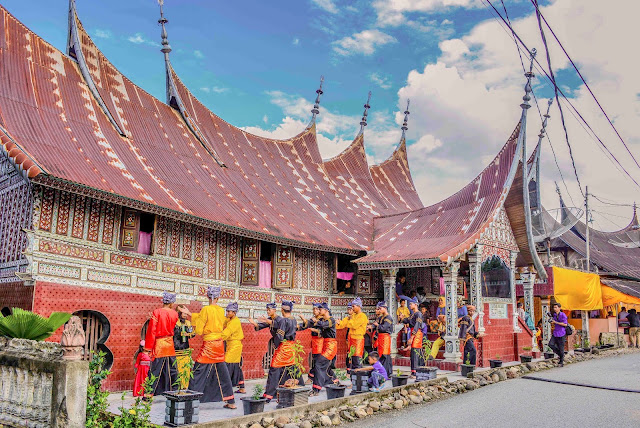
(283, 267)
(250, 261)
(129, 230)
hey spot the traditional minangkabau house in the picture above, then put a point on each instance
(109, 196)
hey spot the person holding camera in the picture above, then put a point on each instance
(559, 323)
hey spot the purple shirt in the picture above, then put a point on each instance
(559, 331)
(379, 368)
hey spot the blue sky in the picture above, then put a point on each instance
(257, 65)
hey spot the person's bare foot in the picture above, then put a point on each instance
(230, 406)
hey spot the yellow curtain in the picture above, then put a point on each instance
(577, 291)
(612, 296)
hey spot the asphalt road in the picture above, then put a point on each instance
(524, 403)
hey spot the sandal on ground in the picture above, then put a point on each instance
(230, 406)
(314, 394)
(241, 391)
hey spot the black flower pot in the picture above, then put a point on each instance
(548, 355)
(359, 382)
(399, 380)
(182, 408)
(495, 363)
(289, 397)
(426, 373)
(251, 406)
(335, 391)
(525, 358)
(466, 369)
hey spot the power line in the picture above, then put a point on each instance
(614, 204)
(540, 15)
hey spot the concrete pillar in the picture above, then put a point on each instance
(512, 283)
(389, 282)
(528, 278)
(475, 280)
(585, 328)
(451, 343)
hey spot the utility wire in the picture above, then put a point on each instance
(614, 204)
(540, 15)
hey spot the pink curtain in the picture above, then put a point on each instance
(264, 277)
(347, 276)
(442, 290)
(144, 243)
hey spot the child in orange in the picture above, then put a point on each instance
(143, 365)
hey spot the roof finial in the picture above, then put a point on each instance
(363, 122)
(316, 107)
(406, 119)
(166, 48)
(527, 88)
(544, 122)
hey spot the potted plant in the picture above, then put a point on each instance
(467, 368)
(586, 346)
(182, 405)
(255, 403)
(292, 393)
(548, 353)
(496, 362)
(425, 373)
(337, 390)
(359, 378)
(527, 357)
(399, 378)
(576, 347)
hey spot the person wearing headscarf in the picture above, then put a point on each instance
(326, 327)
(342, 324)
(383, 326)
(441, 329)
(316, 338)
(210, 372)
(182, 332)
(357, 325)
(233, 335)
(415, 323)
(159, 345)
(468, 334)
(283, 332)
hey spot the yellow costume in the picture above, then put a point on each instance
(209, 323)
(233, 335)
(442, 328)
(402, 313)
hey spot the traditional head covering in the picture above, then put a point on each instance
(142, 343)
(382, 304)
(233, 306)
(287, 305)
(349, 305)
(213, 292)
(441, 302)
(325, 305)
(168, 298)
(414, 301)
(471, 307)
(317, 305)
(356, 302)
(272, 305)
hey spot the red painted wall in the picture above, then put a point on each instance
(16, 295)
(501, 340)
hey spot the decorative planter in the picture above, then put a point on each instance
(548, 355)
(182, 408)
(399, 380)
(335, 391)
(359, 381)
(289, 397)
(426, 373)
(251, 406)
(466, 369)
(495, 363)
(525, 358)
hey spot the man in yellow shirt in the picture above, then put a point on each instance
(233, 336)
(210, 373)
(357, 325)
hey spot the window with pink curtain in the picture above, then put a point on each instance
(264, 275)
(144, 243)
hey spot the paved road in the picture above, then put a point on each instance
(523, 403)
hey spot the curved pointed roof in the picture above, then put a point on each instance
(435, 234)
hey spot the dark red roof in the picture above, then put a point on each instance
(61, 132)
(446, 230)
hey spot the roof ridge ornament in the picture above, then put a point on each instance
(166, 47)
(363, 122)
(527, 87)
(406, 119)
(546, 116)
(316, 106)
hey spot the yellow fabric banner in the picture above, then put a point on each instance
(577, 291)
(611, 297)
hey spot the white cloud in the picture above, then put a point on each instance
(216, 89)
(365, 43)
(198, 54)
(265, 118)
(205, 89)
(326, 5)
(296, 41)
(140, 39)
(392, 12)
(102, 34)
(383, 81)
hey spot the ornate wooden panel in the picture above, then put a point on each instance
(283, 267)
(250, 261)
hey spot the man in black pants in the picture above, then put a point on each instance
(558, 323)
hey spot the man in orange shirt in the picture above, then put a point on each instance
(158, 344)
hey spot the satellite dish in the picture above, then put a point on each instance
(627, 239)
(549, 224)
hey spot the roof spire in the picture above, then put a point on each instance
(316, 107)
(166, 48)
(363, 122)
(527, 87)
(544, 122)
(406, 119)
